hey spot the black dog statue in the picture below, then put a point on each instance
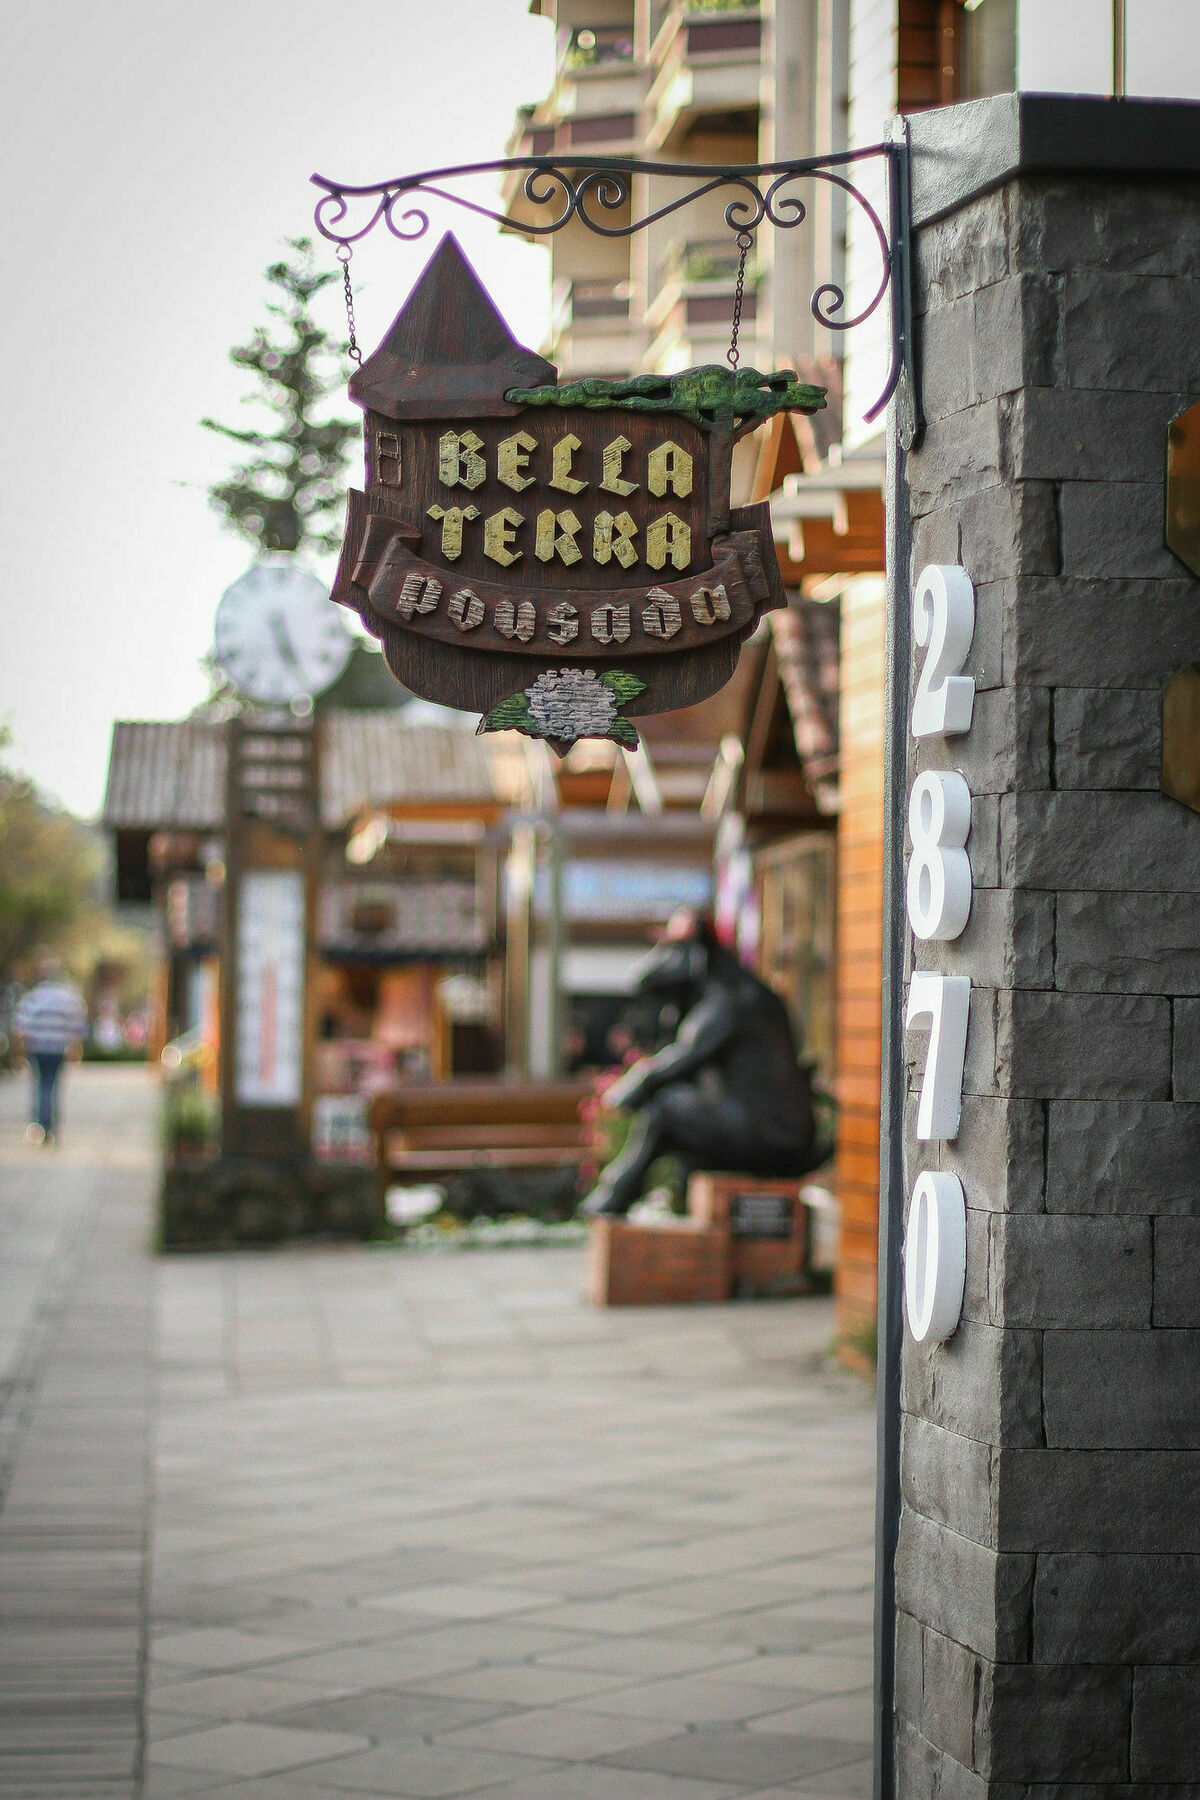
(729, 1093)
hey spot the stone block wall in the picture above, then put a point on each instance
(1048, 1565)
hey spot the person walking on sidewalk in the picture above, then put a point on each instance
(49, 1024)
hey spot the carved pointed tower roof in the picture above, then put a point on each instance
(449, 354)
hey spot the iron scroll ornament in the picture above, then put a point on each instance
(588, 191)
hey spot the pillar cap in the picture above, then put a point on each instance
(960, 152)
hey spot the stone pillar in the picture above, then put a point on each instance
(1048, 1565)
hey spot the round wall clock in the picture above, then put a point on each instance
(278, 638)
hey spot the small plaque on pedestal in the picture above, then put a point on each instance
(762, 1215)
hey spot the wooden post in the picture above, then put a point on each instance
(272, 851)
(1118, 66)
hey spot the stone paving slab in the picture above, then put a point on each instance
(345, 1522)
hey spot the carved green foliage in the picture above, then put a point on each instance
(625, 687)
(511, 715)
(704, 395)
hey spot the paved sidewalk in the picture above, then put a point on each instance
(414, 1526)
(75, 1405)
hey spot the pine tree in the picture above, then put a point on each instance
(287, 495)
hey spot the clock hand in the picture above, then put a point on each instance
(283, 643)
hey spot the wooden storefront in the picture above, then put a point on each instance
(829, 533)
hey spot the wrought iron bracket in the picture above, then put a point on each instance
(592, 189)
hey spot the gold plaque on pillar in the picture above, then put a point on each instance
(1181, 737)
(1183, 487)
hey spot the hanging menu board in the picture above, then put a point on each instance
(270, 991)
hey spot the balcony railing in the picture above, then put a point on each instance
(601, 132)
(705, 66)
(529, 138)
(664, 9)
(714, 309)
(599, 46)
(599, 300)
(686, 264)
(695, 291)
(591, 305)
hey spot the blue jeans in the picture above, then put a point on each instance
(46, 1067)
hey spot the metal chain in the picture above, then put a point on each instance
(343, 253)
(745, 244)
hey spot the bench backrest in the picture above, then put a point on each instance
(459, 1103)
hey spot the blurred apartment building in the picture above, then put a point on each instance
(655, 80)
(796, 795)
(725, 82)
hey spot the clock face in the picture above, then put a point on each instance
(278, 636)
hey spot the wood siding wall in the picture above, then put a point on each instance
(859, 960)
(930, 53)
(903, 54)
(872, 54)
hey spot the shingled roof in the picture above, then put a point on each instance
(374, 759)
(164, 774)
(806, 635)
(448, 354)
(170, 774)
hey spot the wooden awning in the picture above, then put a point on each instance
(830, 522)
(827, 520)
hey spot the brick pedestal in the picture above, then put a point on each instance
(656, 1265)
(742, 1236)
(768, 1226)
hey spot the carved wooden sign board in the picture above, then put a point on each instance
(556, 558)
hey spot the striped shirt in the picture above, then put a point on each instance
(49, 1017)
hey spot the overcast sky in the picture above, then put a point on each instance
(158, 154)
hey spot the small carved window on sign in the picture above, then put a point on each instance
(387, 447)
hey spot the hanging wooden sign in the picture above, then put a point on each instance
(557, 558)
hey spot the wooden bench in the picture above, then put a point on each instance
(423, 1132)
